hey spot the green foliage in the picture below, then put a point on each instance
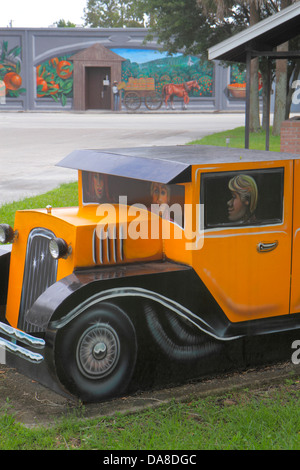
(113, 14)
(173, 70)
(55, 80)
(10, 63)
(65, 24)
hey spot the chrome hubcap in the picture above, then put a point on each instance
(98, 351)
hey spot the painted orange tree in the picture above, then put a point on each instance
(54, 79)
(10, 70)
(173, 70)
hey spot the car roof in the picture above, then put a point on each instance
(163, 164)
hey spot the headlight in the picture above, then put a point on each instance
(59, 248)
(7, 233)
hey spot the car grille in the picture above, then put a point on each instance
(39, 273)
(108, 246)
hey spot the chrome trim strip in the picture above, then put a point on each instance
(121, 241)
(21, 336)
(101, 247)
(94, 246)
(115, 243)
(107, 241)
(109, 245)
(21, 352)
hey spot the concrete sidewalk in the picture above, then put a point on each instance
(32, 143)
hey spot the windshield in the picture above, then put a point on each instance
(98, 188)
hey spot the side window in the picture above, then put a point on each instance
(236, 198)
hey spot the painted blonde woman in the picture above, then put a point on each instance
(243, 202)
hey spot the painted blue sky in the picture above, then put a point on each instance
(141, 55)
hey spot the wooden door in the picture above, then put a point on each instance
(98, 88)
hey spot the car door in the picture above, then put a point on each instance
(245, 260)
(295, 284)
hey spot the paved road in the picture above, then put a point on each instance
(32, 143)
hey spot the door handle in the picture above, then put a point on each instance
(265, 247)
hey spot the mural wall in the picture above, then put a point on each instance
(167, 69)
(10, 70)
(55, 76)
(54, 79)
(36, 71)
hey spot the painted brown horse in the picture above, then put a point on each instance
(181, 90)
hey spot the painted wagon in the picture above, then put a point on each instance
(137, 90)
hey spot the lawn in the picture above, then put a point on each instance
(236, 138)
(266, 418)
(65, 195)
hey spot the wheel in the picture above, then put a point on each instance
(95, 354)
(132, 100)
(153, 101)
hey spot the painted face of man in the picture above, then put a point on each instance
(160, 194)
(237, 208)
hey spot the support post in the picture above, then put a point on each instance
(247, 111)
(268, 92)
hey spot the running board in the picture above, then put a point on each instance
(10, 345)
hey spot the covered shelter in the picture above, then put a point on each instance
(260, 40)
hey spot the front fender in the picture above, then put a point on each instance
(67, 298)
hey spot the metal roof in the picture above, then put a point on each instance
(165, 164)
(263, 36)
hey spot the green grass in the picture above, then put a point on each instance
(263, 419)
(257, 140)
(65, 195)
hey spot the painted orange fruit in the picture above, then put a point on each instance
(53, 89)
(64, 69)
(12, 81)
(41, 82)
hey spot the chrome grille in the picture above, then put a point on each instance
(39, 273)
(108, 245)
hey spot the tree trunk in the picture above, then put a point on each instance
(254, 124)
(254, 97)
(265, 116)
(281, 91)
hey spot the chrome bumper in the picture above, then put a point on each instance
(12, 336)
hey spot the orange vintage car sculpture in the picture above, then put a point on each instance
(175, 259)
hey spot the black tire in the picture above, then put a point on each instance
(95, 354)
